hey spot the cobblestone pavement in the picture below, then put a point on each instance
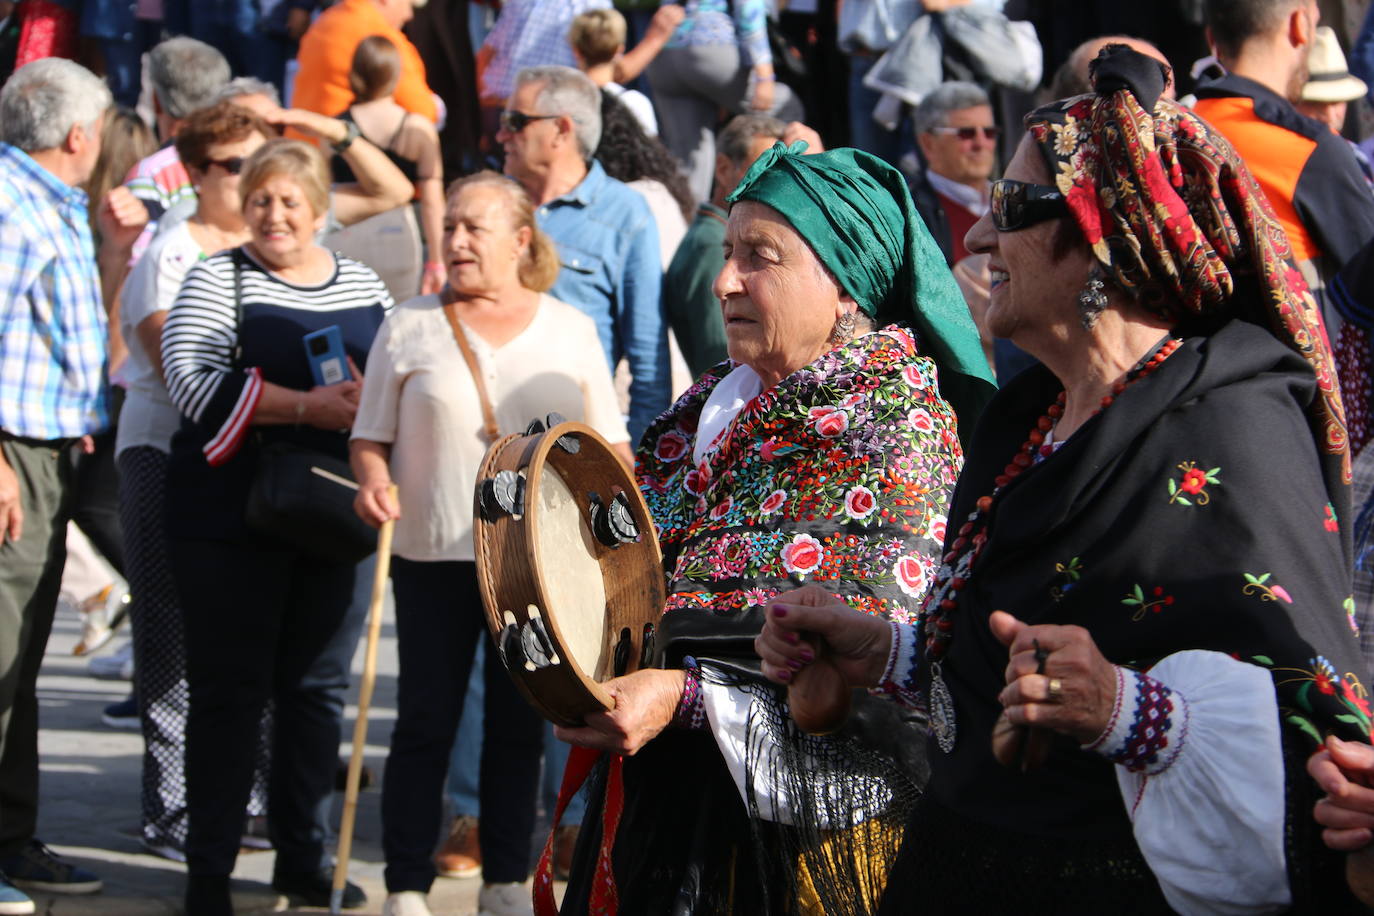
(90, 786)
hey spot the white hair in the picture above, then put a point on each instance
(565, 91)
(45, 99)
(935, 108)
(186, 74)
(241, 86)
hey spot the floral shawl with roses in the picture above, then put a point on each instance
(838, 475)
(1195, 512)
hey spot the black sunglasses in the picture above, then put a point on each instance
(968, 133)
(512, 122)
(1018, 204)
(233, 165)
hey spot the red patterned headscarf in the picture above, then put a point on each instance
(1176, 219)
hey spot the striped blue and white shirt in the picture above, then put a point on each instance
(53, 355)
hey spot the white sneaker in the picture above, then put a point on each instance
(117, 666)
(505, 900)
(406, 903)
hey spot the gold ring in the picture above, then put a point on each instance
(1056, 690)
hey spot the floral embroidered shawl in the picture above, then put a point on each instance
(1194, 513)
(838, 475)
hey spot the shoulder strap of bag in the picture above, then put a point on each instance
(488, 415)
(236, 256)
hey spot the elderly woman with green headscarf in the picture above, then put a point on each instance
(1138, 632)
(823, 451)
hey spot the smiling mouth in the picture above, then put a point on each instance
(998, 277)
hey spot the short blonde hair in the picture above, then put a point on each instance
(297, 160)
(597, 35)
(539, 267)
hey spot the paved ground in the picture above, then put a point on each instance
(90, 798)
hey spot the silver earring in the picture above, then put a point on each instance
(844, 328)
(1091, 298)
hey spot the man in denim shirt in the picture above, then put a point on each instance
(606, 237)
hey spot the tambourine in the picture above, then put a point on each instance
(568, 565)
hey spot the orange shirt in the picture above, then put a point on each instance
(326, 56)
(1276, 157)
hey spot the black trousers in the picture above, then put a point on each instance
(264, 622)
(439, 622)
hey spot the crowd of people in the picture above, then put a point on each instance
(998, 376)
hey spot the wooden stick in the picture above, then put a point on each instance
(355, 760)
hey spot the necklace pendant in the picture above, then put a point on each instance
(941, 711)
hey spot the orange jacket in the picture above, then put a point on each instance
(326, 56)
(1307, 172)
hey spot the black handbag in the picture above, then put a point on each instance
(302, 496)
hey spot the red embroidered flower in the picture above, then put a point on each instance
(773, 503)
(1354, 699)
(768, 449)
(1281, 592)
(1330, 523)
(721, 509)
(696, 481)
(671, 446)
(832, 424)
(914, 376)
(860, 503)
(911, 575)
(802, 555)
(1193, 481)
(920, 420)
(1324, 684)
(937, 529)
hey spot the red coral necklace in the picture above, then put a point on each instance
(956, 568)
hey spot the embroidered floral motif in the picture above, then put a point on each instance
(1192, 488)
(1066, 576)
(1349, 605)
(1267, 591)
(823, 478)
(1320, 685)
(1155, 601)
(1329, 522)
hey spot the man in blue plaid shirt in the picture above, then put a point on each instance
(52, 393)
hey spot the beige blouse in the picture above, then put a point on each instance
(419, 397)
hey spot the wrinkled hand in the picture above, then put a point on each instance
(332, 407)
(1087, 680)
(121, 217)
(11, 511)
(297, 21)
(374, 502)
(665, 21)
(644, 705)
(796, 130)
(1344, 770)
(799, 624)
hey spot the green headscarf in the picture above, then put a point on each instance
(855, 212)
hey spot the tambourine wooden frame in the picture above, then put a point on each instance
(512, 572)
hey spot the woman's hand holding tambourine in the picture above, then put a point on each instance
(644, 705)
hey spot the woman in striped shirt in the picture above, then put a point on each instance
(270, 621)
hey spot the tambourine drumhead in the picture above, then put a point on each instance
(568, 565)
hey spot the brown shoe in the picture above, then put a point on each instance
(564, 841)
(460, 856)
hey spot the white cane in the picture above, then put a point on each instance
(355, 761)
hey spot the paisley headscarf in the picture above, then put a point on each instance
(855, 212)
(1176, 219)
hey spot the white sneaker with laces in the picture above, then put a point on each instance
(406, 903)
(505, 900)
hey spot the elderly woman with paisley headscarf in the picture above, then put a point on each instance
(1137, 634)
(824, 450)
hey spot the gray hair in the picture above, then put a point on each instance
(186, 74)
(734, 138)
(240, 86)
(935, 108)
(565, 91)
(45, 99)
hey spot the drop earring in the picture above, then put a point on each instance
(1092, 298)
